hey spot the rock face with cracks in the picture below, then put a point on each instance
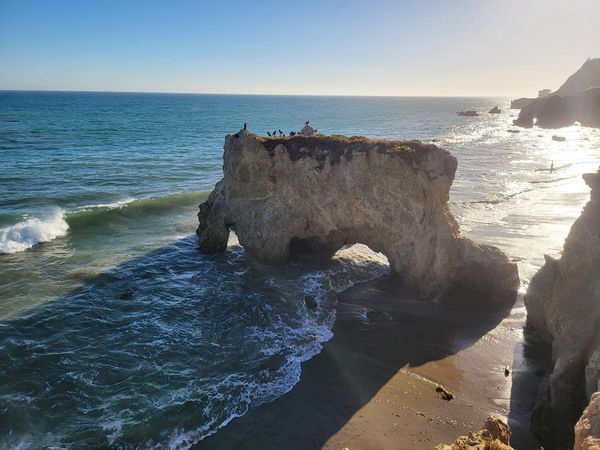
(563, 308)
(316, 194)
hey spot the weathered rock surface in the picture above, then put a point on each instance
(316, 194)
(587, 429)
(577, 100)
(563, 308)
(494, 110)
(495, 435)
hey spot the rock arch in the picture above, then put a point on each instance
(320, 193)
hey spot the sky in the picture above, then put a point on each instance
(303, 47)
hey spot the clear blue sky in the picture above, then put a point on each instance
(368, 47)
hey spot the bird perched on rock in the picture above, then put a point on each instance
(292, 133)
(268, 134)
(281, 133)
(245, 126)
(274, 132)
(306, 123)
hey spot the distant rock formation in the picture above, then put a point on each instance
(494, 110)
(316, 194)
(521, 103)
(468, 113)
(587, 429)
(577, 100)
(563, 308)
(494, 435)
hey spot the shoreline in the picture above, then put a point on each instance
(373, 384)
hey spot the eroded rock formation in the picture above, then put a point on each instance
(563, 308)
(495, 435)
(316, 194)
(577, 100)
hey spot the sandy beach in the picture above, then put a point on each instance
(373, 385)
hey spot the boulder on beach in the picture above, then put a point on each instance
(563, 309)
(316, 194)
(494, 435)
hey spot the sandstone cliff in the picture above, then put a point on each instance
(563, 308)
(316, 194)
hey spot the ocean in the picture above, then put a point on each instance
(115, 331)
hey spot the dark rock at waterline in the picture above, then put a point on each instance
(311, 302)
(559, 138)
(468, 113)
(494, 110)
(514, 131)
(127, 295)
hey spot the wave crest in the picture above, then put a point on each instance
(30, 232)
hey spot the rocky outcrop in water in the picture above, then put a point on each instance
(577, 100)
(563, 308)
(494, 435)
(285, 196)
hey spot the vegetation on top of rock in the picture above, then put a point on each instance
(336, 146)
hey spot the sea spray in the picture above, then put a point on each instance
(30, 232)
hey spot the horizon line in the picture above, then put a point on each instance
(90, 91)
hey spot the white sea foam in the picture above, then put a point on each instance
(26, 234)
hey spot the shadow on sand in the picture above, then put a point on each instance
(363, 356)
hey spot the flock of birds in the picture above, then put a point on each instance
(278, 132)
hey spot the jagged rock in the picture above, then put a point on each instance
(577, 100)
(495, 435)
(563, 308)
(587, 429)
(316, 194)
(494, 110)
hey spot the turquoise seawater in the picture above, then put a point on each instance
(115, 331)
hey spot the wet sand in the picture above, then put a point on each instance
(373, 385)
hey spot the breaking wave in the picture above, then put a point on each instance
(30, 232)
(27, 233)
